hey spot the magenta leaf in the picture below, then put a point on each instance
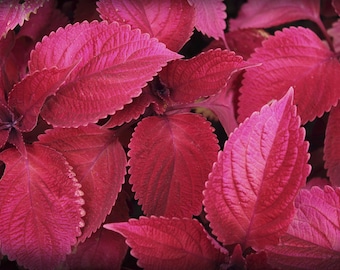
(210, 17)
(115, 62)
(99, 162)
(200, 76)
(6, 120)
(160, 19)
(40, 207)
(268, 13)
(29, 95)
(12, 13)
(250, 193)
(332, 147)
(313, 238)
(165, 153)
(162, 243)
(294, 57)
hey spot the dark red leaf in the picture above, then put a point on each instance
(161, 243)
(171, 157)
(250, 193)
(115, 63)
(313, 238)
(294, 57)
(40, 207)
(160, 19)
(99, 162)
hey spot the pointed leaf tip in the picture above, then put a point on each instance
(250, 192)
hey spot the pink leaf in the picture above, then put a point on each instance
(200, 76)
(99, 162)
(29, 95)
(104, 249)
(334, 31)
(250, 193)
(115, 62)
(268, 13)
(40, 207)
(313, 238)
(332, 146)
(165, 153)
(12, 13)
(161, 19)
(162, 243)
(294, 57)
(210, 17)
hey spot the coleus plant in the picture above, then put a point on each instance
(82, 101)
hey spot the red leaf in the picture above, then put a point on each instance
(40, 207)
(200, 76)
(104, 249)
(161, 243)
(165, 153)
(29, 95)
(160, 19)
(99, 162)
(210, 17)
(294, 57)
(336, 5)
(115, 62)
(86, 10)
(250, 193)
(268, 13)
(13, 14)
(6, 120)
(332, 147)
(313, 238)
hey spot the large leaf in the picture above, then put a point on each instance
(160, 18)
(171, 157)
(40, 207)
(313, 238)
(162, 243)
(12, 13)
(114, 63)
(250, 193)
(99, 162)
(210, 17)
(29, 95)
(332, 146)
(268, 13)
(200, 76)
(294, 57)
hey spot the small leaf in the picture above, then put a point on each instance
(13, 14)
(40, 207)
(99, 162)
(29, 95)
(313, 238)
(162, 243)
(171, 157)
(200, 76)
(294, 57)
(115, 63)
(250, 193)
(334, 32)
(268, 13)
(160, 19)
(210, 17)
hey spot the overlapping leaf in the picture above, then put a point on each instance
(161, 18)
(162, 243)
(200, 76)
(313, 238)
(114, 63)
(40, 207)
(267, 13)
(210, 17)
(98, 161)
(171, 157)
(294, 57)
(250, 192)
(12, 13)
(334, 31)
